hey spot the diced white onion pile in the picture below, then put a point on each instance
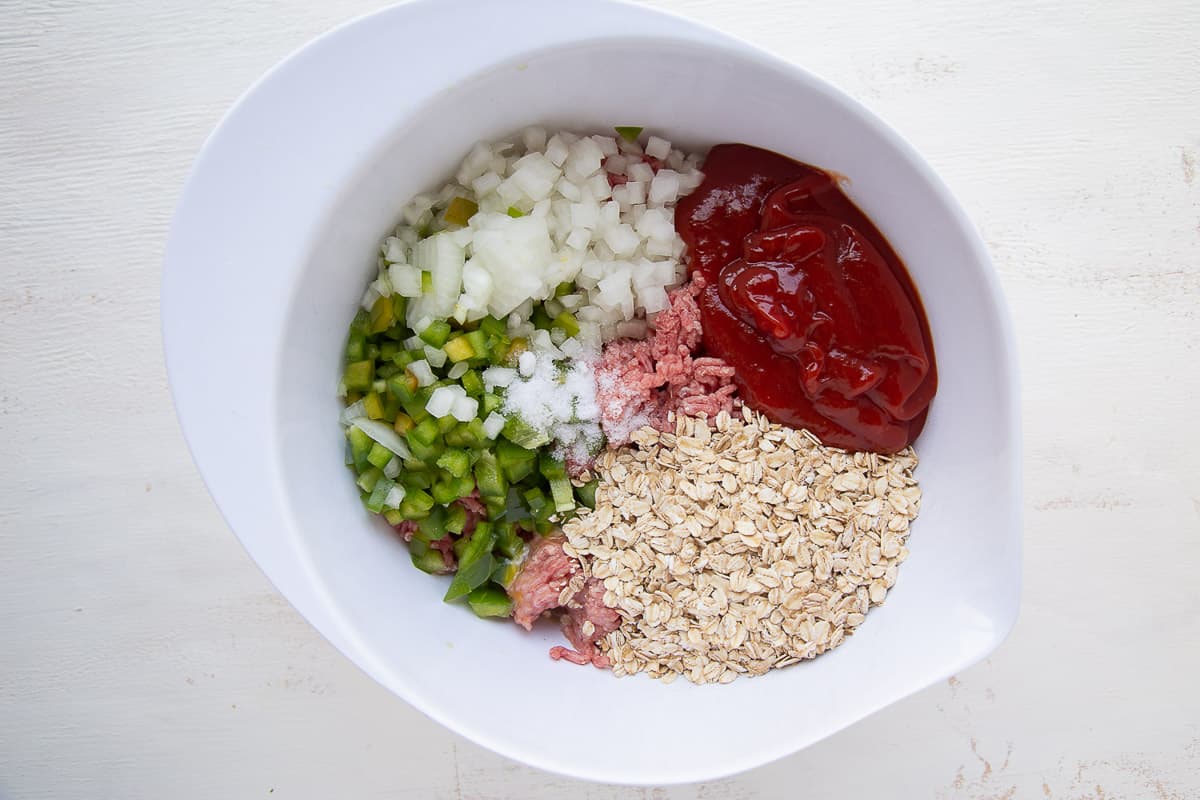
(618, 244)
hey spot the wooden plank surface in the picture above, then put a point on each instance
(142, 655)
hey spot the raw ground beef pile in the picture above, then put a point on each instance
(548, 574)
(640, 382)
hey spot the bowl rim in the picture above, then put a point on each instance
(319, 609)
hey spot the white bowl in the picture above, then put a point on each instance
(270, 249)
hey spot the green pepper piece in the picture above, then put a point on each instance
(489, 477)
(382, 315)
(416, 504)
(492, 326)
(515, 461)
(535, 499)
(436, 333)
(388, 350)
(490, 601)
(425, 433)
(508, 541)
(403, 386)
(433, 527)
(443, 491)
(472, 383)
(564, 497)
(587, 493)
(379, 455)
(567, 322)
(459, 348)
(356, 346)
(551, 467)
(520, 432)
(456, 518)
(489, 403)
(541, 319)
(373, 405)
(361, 323)
(464, 486)
(426, 279)
(456, 462)
(369, 478)
(515, 212)
(506, 571)
(479, 344)
(629, 133)
(476, 563)
(460, 211)
(360, 447)
(416, 475)
(359, 376)
(426, 558)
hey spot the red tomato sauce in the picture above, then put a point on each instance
(808, 301)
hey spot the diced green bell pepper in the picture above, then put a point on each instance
(488, 476)
(476, 563)
(416, 504)
(356, 346)
(359, 376)
(456, 518)
(382, 315)
(459, 349)
(379, 455)
(455, 461)
(460, 211)
(490, 601)
(433, 526)
(360, 448)
(436, 333)
(472, 383)
(426, 558)
(373, 405)
(587, 493)
(367, 480)
(567, 322)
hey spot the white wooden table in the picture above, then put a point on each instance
(142, 654)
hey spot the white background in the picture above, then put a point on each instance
(142, 654)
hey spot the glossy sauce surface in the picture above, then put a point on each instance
(808, 301)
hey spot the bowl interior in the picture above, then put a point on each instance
(955, 595)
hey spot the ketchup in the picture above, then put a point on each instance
(806, 299)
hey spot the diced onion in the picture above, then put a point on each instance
(498, 376)
(493, 425)
(442, 400)
(395, 497)
(384, 434)
(464, 408)
(422, 372)
(436, 356)
(353, 411)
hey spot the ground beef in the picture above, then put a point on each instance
(538, 588)
(587, 606)
(546, 572)
(640, 382)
